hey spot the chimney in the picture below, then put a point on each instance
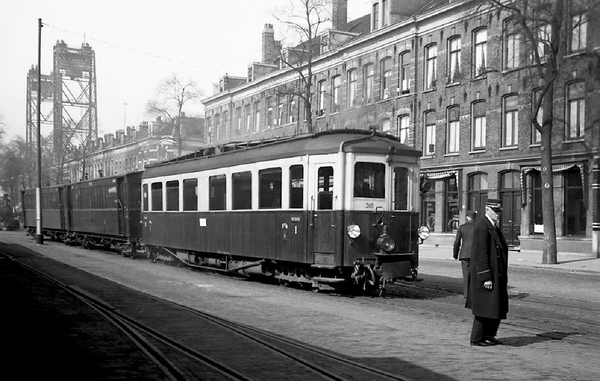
(120, 136)
(339, 13)
(270, 47)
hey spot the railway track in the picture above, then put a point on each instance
(215, 348)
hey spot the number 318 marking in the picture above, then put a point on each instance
(369, 205)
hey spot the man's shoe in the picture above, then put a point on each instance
(493, 340)
(482, 343)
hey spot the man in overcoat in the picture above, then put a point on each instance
(488, 284)
(462, 247)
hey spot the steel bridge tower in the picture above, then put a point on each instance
(46, 111)
(69, 119)
(75, 113)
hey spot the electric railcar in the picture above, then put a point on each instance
(327, 210)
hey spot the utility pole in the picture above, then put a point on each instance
(39, 237)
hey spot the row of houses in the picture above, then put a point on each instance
(456, 81)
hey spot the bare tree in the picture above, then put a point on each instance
(172, 96)
(13, 167)
(551, 30)
(305, 21)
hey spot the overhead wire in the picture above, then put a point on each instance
(130, 49)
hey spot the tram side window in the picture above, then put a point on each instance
(296, 186)
(369, 180)
(145, 196)
(172, 195)
(157, 191)
(190, 194)
(325, 194)
(242, 190)
(217, 192)
(400, 188)
(269, 196)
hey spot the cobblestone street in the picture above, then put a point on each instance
(419, 336)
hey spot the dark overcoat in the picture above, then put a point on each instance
(489, 261)
(463, 240)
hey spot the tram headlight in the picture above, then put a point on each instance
(385, 242)
(353, 231)
(423, 233)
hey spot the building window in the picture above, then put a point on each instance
(453, 130)
(292, 110)
(536, 135)
(536, 202)
(480, 51)
(478, 193)
(225, 126)
(403, 73)
(575, 110)
(238, 119)
(386, 76)
(478, 132)
(544, 37)
(217, 129)
(430, 66)
(575, 211)
(429, 133)
(335, 93)
(384, 13)
(452, 209)
(269, 113)
(369, 73)
(351, 88)
(511, 46)
(248, 115)
(510, 122)
(256, 125)
(375, 17)
(579, 33)
(454, 60)
(321, 98)
(403, 128)
(280, 118)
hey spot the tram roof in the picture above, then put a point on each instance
(328, 142)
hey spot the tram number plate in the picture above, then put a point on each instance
(369, 205)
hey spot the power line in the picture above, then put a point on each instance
(85, 37)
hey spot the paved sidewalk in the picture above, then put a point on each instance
(566, 261)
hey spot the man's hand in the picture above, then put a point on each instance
(488, 284)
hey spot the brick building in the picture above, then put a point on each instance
(451, 80)
(131, 149)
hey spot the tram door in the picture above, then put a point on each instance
(510, 219)
(120, 206)
(323, 217)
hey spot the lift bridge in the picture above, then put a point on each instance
(68, 114)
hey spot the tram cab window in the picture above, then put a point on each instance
(325, 194)
(369, 180)
(190, 194)
(241, 185)
(172, 195)
(145, 197)
(296, 186)
(269, 195)
(217, 192)
(157, 191)
(400, 188)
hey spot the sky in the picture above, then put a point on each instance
(137, 44)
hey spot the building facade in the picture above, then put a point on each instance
(454, 80)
